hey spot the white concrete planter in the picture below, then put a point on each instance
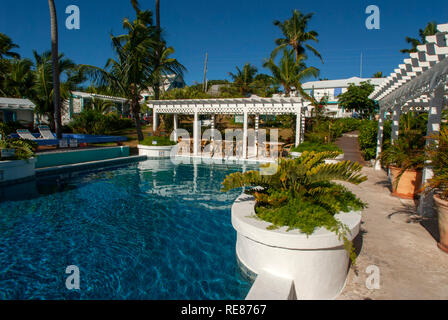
(318, 264)
(17, 170)
(339, 158)
(155, 151)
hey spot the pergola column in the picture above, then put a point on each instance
(434, 119)
(299, 128)
(257, 127)
(196, 134)
(426, 203)
(175, 123)
(213, 127)
(396, 124)
(245, 134)
(379, 143)
(155, 119)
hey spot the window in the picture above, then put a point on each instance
(337, 91)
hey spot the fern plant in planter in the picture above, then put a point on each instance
(405, 158)
(24, 149)
(302, 193)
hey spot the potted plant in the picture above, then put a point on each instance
(156, 146)
(297, 223)
(17, 160)
(437, 154)
(405, 158)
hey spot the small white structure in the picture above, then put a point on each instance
(419, 84)
(17, 170)
(12, 109)
(155, 151)
(317, 264)
(333, 88)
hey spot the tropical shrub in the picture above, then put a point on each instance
(316, 147)
(437, 153)
(302, 193)
(159, 141)
(94, 122)
(368, 135)
(24, 149)
(407, 153)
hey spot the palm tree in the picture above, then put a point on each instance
(162, 66)
(430, 30)
(18, 79)
(158, 14)
(55, 58)
(243, 78)
(43, 92)
(6, 45)
(379, 74)
(290, 73)
(131, 72)
(295, 34)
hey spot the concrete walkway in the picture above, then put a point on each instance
(349, 144)
(397, 241)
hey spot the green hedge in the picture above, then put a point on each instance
(368, 135)
(317, 147)
(93, 122)
(161, 141)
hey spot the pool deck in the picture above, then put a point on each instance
(396, 240)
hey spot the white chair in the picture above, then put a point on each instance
(46, 133)
(26, 134)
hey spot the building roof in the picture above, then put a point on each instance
(87, 95)
(16, 104)
(341, 83)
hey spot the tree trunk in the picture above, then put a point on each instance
(135, 108)
(158, 13)
(55, 58)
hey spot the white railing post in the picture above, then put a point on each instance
(379, 142)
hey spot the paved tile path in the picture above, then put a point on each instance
(395, 240)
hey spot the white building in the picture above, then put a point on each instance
(333, 88)
(170, 82)
(12, 109)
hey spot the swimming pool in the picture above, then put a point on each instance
(149, 230)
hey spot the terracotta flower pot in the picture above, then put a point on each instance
(442, 208)
(408, 185)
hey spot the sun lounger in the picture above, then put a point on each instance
(46, 133)
(26, 134)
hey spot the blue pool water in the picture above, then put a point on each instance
(149, 230)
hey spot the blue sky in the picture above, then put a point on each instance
(233, 32)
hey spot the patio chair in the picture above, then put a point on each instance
(26, 134)
(46, 133)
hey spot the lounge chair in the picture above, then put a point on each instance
(46, 133)
(26, 134)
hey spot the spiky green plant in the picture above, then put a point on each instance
(437, 153)
(302, 193)
(24, 148)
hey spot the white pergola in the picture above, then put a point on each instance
(419, 84)
(241, 106)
